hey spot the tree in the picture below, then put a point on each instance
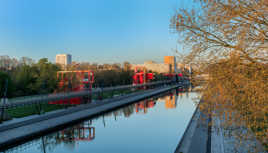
(228, 40)
(223, 27)
(6, 63)
(24, 79)
(26, 61)
(127, 66)
(46, 76)
(6, 83)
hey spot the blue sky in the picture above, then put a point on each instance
(100, 31)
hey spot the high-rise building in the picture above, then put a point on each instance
(171, 60)
(63, 59)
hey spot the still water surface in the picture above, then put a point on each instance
(154, 125)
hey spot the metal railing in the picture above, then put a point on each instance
(41, 99)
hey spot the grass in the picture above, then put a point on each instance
(110, 94)
(34, 109)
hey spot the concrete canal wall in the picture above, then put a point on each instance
(196, 137)
(17, 132)
(199, 137)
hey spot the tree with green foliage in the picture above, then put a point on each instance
(24, 79)
(46, 76)
(113, 77)
(38, 78)
(6, 84)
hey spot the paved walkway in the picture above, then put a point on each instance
(233, 139)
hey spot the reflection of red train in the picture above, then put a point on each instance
(77, 133)
(143, 106)
(74, 81)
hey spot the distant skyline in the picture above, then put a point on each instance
(100, 31)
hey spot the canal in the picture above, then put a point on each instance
(152, 125)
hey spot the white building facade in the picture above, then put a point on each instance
(64, 59)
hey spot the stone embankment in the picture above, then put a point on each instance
(209, 135)
(196, 137)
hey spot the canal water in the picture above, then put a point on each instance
(152, 125)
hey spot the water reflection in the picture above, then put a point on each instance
(80, 132)
(124, 121)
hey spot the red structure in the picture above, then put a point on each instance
(77, 133)
(79, 80)
(141, 77)
(143, 106)
(74, 81)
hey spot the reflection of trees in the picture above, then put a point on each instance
(48, 143)
(128, 110)
(44, 144)
(80, 132)
(68, 137)
(171, 97)
(144, 106)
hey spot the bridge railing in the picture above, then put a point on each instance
(39, 99)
